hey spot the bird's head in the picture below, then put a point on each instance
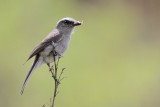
(67, 24)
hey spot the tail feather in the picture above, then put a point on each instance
(37, 62)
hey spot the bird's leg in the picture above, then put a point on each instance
(56, 67)
(50, 68)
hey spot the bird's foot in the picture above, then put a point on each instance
(50, 69)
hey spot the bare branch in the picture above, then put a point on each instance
(61, 73)
(57, 79)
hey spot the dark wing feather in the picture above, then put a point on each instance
(54, 36)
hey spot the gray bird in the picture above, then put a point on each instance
(55, 44)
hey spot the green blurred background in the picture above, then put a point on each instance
(113, 59)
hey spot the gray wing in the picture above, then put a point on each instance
(54, 36)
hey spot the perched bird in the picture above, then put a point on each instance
(53, 46)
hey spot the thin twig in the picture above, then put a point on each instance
(55, 89)
(61, 73)
(62, 79)
(57, 63)
(57, 81)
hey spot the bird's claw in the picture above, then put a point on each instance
(50, 69)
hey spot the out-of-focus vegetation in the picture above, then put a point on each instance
(113, 59)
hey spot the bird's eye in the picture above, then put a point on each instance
(67, 22)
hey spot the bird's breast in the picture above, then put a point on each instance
(62, 46)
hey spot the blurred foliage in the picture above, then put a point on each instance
(113, 59)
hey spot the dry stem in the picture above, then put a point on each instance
(57, 79)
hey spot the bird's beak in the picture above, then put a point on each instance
(78, 23)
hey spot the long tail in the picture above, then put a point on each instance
(37, 63)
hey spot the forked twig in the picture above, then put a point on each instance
(56, 78)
